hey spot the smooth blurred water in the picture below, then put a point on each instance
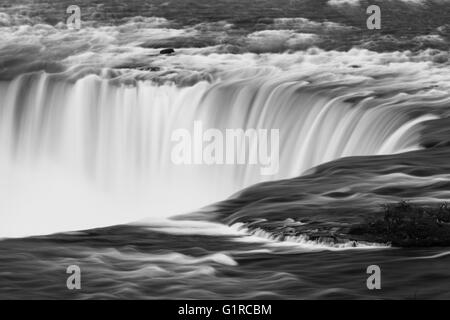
(93, 153)
(86, 119)
(163, 261)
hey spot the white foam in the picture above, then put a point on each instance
(289, 244)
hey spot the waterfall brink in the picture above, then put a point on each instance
(93, 152)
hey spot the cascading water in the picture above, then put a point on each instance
(93, 152)
(354, 124)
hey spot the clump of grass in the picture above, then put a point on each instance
(409, 225)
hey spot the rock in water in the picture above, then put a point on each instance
(167, 51)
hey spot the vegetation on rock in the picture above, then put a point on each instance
(408, 225)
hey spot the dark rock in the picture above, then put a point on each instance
(167, 51)
(290, 231)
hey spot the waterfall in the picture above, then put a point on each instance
(93, 152)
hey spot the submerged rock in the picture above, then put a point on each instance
(138, 66)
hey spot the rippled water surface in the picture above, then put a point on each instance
(210, 261)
